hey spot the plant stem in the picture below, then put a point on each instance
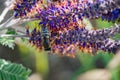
(7, 35)
(13, 22)
(2, 16)
(5, 24)
(8, 5)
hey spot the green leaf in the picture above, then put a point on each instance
(12, 71)
(11, 31)
(7, 42)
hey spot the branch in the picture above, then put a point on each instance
(8, 6)
(5, 35)
(2, 16)
(2, 26)
(13, 22)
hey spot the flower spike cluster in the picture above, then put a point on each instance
(67, 42)
(62, 29)
(35, 37)
(60, 16)
(79, 8)
(25, 8)
(57, 16)
(109, 45)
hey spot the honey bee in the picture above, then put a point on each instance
(45, 35)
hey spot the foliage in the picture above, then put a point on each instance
(12, 71)
(8, 41)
